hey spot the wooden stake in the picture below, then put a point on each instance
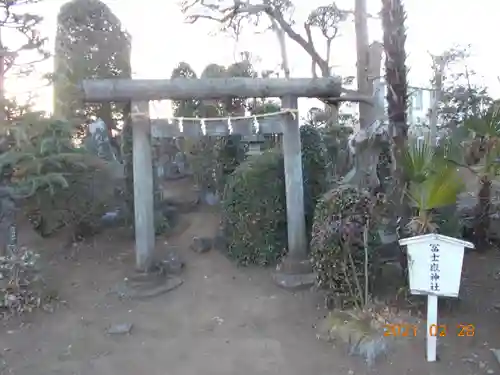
(432, 327)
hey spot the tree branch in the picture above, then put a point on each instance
(307, 27)
(292, 34)
(240, 7)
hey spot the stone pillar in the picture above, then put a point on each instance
(295, 270)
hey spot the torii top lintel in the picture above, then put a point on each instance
(124, 90)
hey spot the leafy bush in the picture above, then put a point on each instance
(336, 139)
(313, 160)
(254, 202)
(337, 246)
(212, 159)
(56, 183)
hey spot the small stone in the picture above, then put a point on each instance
(469, 360)
(294, 282)
(490, 371)
(219, 241)
(362, 339)
(210, 198)
(482, 365)
(169, 211)
(152, 286)
(120, 329)
(201, 244)
(496, 354)
(64, 356)
(370, 348)
(172, 263)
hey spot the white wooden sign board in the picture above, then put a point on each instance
(435, 269)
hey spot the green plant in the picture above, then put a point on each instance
(254, 202)
(433, 184)
(314, 160)
(254, 210)
(336, 140)
(342, 234)
(486, 130)
(55, 182)
(90, 43)
(213, 159)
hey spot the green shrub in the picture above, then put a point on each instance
(336, 139)
(254, 202)
(212, 159)
(57, 184)
(79, 205)
(337, 247)
(313, 160)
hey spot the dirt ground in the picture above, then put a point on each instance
(222, 320)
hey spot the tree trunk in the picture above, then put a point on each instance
(393, 17)
(439, 66)
(7, 220)
(363, 55)
(482, 217)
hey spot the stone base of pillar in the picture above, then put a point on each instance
(294, 274)
(142, 285)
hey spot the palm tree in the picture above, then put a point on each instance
(486, 147)
(393, 20)
(432, 184)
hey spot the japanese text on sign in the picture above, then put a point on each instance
(434, 268)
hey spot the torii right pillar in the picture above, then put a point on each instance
(295, 270)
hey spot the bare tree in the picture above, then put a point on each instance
(14, 17)
(459, 94)
(234, 15)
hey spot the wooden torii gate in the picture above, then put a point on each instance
(140, 91)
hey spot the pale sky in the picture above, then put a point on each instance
(161, 39)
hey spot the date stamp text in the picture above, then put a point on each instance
(441, 330)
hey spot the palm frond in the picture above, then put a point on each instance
(417, 161)
(478, 126)
(485, 126)
(438, 190)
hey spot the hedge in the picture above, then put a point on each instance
(254, 220)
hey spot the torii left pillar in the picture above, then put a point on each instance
(143, 187)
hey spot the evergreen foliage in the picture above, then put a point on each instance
(254, 202)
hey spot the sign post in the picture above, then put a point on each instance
(435, 269)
